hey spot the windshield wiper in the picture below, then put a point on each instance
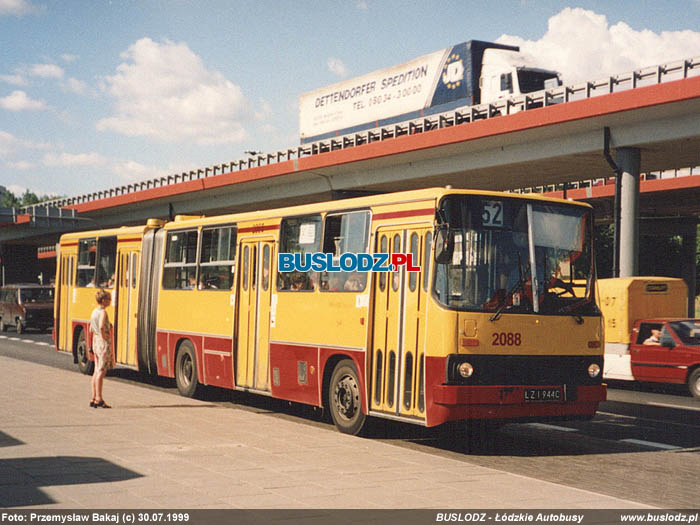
(522, 279)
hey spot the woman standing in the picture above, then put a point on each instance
(101, 346)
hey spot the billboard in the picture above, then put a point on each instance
(431, 80)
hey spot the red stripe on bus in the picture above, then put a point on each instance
(69, 244)
(258, 229)
(129, 239)
(402, 214)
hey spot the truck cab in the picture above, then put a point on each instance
(505, 74)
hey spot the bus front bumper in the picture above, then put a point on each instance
(515, 402)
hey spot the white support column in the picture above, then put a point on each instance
(629, 162)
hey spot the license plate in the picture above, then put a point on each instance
(539, 395)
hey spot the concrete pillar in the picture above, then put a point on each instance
(629, 162)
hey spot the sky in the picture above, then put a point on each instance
(100, 93)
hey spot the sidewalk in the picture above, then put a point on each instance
(158, 450)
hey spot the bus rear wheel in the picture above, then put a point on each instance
(344, 398)
(81, 353)
(186, 370)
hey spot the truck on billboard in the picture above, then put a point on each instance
(469, 73)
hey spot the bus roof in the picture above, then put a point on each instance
(303, 209)
(359, 203)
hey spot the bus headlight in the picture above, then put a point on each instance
(594, 370)
(465, 370)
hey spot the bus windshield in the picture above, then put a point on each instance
(508, 254)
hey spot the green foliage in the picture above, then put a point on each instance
(10, 200)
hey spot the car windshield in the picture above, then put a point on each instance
(36, 295)
(687, 331)
(497, 242)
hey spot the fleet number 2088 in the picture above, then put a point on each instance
(506, 339)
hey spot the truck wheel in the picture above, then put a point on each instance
(86, 366)
(3, 326)
(19, 326)
(186, 370)
(694, 383)
(344, 398)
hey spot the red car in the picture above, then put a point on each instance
(667, 351)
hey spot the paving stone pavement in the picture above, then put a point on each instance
(156, 450)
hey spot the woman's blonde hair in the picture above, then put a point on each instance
(101, 295)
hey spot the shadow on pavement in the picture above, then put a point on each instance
(21, 479)
(7, 440)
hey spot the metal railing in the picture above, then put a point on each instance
(676, 70)
(602, 181)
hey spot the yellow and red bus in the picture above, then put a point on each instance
(499, 324)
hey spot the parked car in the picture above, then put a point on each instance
(26, 306)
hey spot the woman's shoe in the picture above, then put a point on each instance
(92, 403)
(102, 404)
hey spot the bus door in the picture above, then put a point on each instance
(127, 301)
(253, 326)
(399, 326)
(64, 299)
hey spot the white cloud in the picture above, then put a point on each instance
(8, 144)
(17, 190)
(336, 66)
(19, 101)
(66, 57)
(74, 85)
(46, 71)
(164, 92)
(11, 145)
(21, 165)
(16, 7)
(17, 79)
(582, 45)
(71, 160)
(132, 171)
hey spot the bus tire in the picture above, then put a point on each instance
(694, 383)
(186, 370)
(85, 366)
(345, 399)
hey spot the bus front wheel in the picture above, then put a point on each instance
(344, 398)
(186, 370)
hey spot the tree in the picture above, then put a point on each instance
(8, 199)
(30, 198)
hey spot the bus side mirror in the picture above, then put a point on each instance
(444, 245)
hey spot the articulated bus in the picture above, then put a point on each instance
(496, 321)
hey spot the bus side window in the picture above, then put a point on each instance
(180, 271)
(299, 235)
(218, 258)
(87, 254)
(345, 232)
